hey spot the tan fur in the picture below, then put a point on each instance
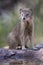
(22, 34)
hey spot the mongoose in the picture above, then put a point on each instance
(23, 33)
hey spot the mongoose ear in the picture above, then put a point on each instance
(31, 10)
(20, 11)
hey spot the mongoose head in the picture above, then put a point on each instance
(26, 15)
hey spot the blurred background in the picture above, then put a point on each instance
(9, 17)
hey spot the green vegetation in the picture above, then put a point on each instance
(5, 28)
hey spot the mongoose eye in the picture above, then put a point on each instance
(27, 14)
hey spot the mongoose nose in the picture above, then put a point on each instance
(23, 18)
